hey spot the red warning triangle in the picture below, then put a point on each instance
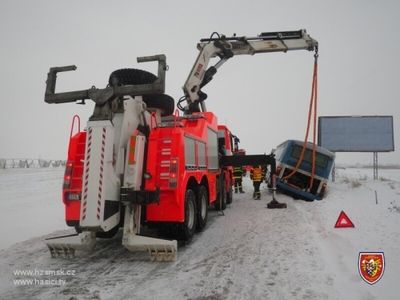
(343, 221)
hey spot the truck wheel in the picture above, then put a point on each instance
(135, 76)
(188, 227)
(202, 207)
(229, 196)
(220, 204)
(223, 206)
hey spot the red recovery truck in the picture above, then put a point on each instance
(182, 163)
(140, 162)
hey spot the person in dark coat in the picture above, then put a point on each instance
(238, 173)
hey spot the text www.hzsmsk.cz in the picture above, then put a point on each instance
(42, 277)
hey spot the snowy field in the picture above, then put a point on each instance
(30, 203)
(249, 253)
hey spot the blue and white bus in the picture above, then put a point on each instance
(287, 155)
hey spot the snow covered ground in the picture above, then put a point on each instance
(30, 203)
(249, 253)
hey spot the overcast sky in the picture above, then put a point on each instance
(263, 98)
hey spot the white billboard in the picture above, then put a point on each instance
(356, 133)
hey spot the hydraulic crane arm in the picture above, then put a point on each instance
(227, 47)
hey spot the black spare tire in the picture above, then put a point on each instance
(162, 102)
(130, 76)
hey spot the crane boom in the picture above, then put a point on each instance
(227, 47)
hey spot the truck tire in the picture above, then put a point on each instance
(163, 102)
(188, 227)
(135, 76)
(223, 205)
(229, 196)
(130, 77)
(202, 207)
(220, 204)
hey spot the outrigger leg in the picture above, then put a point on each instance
(274, 203)
(159, 249)
(65, 246)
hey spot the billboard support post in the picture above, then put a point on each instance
(375, 165)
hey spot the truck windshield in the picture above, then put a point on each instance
(320, 160)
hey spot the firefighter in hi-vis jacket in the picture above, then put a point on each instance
(257, 174)
(238, 173)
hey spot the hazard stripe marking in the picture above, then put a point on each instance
(100, 189)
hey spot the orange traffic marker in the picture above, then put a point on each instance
(343, 221)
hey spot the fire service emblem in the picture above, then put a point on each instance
(371, 266)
